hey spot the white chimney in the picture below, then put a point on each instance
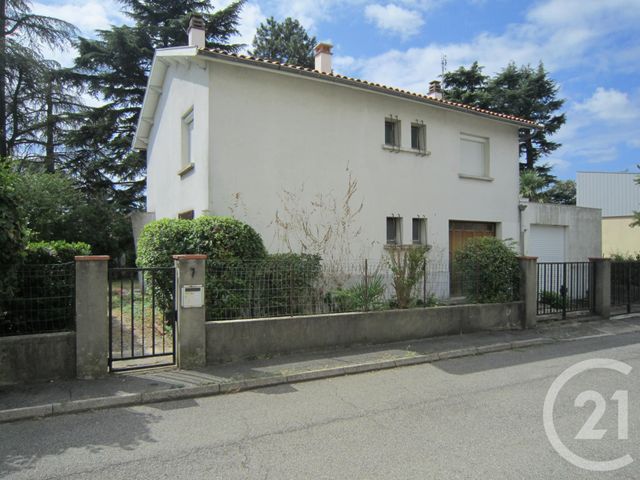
(435, 91)
(196, 31)
(323, 57)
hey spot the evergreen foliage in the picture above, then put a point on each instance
(284, 42)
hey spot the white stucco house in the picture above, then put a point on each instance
(236, 135)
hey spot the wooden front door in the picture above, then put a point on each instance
(460, 233)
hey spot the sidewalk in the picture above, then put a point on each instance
(147, 386)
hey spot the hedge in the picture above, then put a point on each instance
(222, 239)
(489, 270)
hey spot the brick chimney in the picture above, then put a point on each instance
(323, 57)
(435, 90)
(196, 31)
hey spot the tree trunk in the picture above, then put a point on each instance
(49, 156)
(3, 81)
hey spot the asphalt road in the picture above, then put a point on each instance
(475, 417)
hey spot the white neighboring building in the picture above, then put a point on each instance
(561, 233)
(618, 195)
(230, 134)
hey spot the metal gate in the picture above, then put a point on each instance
(564, 287)
(625, 286)
(142, 318)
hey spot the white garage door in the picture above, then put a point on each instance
(547, 243)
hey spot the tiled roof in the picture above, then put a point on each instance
(366, 84)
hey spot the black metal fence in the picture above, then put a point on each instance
(42, 301)
(625, 285)
(564, 287)
(141, 317)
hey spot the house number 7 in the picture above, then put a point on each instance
(588, 430)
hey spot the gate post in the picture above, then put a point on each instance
(601, 270)
(92, 316)
(529, 289)
(190, 331)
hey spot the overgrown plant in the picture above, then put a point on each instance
(407, 264)
(489, 270)
(367, 295)
(326, 226)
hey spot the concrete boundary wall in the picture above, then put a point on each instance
(32, 358)
(241, 339)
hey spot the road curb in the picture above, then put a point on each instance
(144, 398)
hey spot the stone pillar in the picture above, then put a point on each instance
(601, 295)
(190, 329)
(92, 316)
(529, 289)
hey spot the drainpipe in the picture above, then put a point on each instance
(522, 206)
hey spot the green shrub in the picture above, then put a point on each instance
(625, 257)
(58, 251)
(228, 244)
(553, 299)
(12, 229)
(489, 270)
(369, 296)
(286, 284)
(407, 264)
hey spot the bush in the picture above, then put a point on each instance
(489, 270)
(553, 299)
(225, 241)
(369, 296)
(58, 251)
(407, 264)
(56, 208)
(12, 229)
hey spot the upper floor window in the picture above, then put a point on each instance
(187, 159)
(474, 155)
(419, 137)
(394, 230)
(392, 132)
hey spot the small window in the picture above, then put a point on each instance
(474, 156)
(419, 137)
(394, 230)
(419, 231)
(187, 139)
(392, 132)
(188, 215)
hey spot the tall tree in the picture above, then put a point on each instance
(284, 42)
(114, 68)
(22, 36)
(524, 91)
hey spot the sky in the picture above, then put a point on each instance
(591, 48)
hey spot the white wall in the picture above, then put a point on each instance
(185, 86)
(272, 132)
(583, 228)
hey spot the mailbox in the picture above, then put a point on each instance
(192, 296)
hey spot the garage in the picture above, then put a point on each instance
(547, 242)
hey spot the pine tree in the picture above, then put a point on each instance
(114, 68)
(521, 91)
(23, 70)
(284, 42)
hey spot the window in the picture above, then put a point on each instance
(394, 230)
(474, 156)
(419, 137)
(392, 132)
(188, 215)
(187, 139)
(419, 231)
